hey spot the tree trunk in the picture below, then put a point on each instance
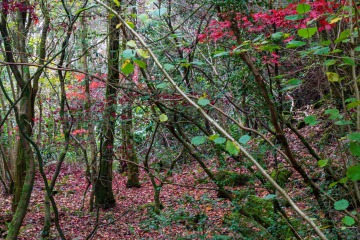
(104, 196)
(130, 151)
(24, 174)
(25, 168)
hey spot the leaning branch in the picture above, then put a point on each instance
(217, 126)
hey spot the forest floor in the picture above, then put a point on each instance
(131, 218)
(189, 212)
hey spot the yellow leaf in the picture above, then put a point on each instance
(332, 77)
(143, 53)
(118, 26)
(126, 62)
(117, 3)
(163, 118)
(131, 24)
(335, 20)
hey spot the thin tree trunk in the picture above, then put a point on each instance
(91, 167)
(104, 196)
(130, 151)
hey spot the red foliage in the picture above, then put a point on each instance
(266, 21)
(79, 131)
(20, 6)
(274, 58)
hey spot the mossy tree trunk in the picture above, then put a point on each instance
(91, 165)
(104, 196)
(24, 169)
(24, 172)
(129, 149)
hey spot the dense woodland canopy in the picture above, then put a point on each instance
(179, 119)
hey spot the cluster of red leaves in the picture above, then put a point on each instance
(20, 6)
(273, 58)
(266, 21)
(79, 131)
(76, 93)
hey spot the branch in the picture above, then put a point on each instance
(218, 127)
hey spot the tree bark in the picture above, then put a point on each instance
(130, 151)
(104, 196)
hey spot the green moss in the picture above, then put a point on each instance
(228, 178)
(147, 206)
(281, 176)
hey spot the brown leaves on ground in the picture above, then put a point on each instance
(130, 219)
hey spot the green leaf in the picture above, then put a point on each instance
(303, 8)
(131, 24)
(159, 12)
(357, 49)
(213, 137)
(221, 54)
(277, 36)
(343, 35)
(330, 62)
(198, 140)
(332, 77)
(307, 32)
(198, 63)
(143, 17)
(326, 43)
(331, 185)
(128, 54)
(342, 123)
(279, 76)
(322, 163)
(348, 61)
(203, 101)
(341, 205)
(244, 139)
(336, 51)
(168, 67)
(163, 118)
(127, 68)
(269, 47)
(270, 196)
(185, 64)
(311, 120)
(321, 51)
(355, 149)
(353, 173)
(140, 63)
(349, 100)
(294, 81)
(295, 44)
(294, 17)
(355, 136)
(352, 105)
(343, 180)
(161, 86)
(220, 140)
(334, 114)
(232, 148)
(291, 84)
(348, 221)
(131, 43)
